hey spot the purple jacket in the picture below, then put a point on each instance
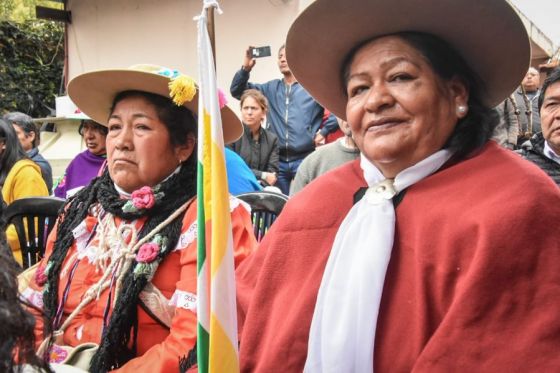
(83, 168)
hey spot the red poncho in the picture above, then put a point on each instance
(473, 283)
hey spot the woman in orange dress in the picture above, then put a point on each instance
(120, 267)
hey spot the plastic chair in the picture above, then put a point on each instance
(43, 211)
(265, 208)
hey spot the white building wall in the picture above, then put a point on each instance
(119, 33)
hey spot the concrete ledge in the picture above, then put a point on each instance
(542, 48)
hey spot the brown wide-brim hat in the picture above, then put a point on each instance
(94, 92)
(488, 34)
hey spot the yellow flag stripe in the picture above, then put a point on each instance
(222, 353)
(215, 182)
(221, 218)
(207, 165)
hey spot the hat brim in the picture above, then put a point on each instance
(78, 116)
(71, 117)
(488, 34)
(94, 92)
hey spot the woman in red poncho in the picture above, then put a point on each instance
(436, 251)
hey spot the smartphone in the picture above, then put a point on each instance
(261, 52)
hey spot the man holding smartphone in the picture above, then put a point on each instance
(294, 116)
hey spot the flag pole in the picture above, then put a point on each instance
(211, 33)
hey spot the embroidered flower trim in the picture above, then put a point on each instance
(147, 256)
(145, 270)
(142, 199)
(58, 354)
(147, 252)
(161, 241)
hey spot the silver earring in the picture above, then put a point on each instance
(461, 110)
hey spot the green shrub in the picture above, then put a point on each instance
(31, 66)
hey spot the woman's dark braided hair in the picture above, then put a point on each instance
(116, 347)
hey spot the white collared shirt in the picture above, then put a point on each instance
(549, 153)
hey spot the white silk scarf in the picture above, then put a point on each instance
(342, 333)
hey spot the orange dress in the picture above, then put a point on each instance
(158, 348)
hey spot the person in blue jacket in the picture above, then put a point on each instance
(240, 177)
(294, 116)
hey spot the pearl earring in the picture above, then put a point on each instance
(461, 110)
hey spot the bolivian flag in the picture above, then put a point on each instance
(217, 318)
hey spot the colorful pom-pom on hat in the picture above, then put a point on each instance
(182, 89)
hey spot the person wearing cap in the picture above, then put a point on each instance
(88, 164)
(543, 148)
(294, 116)
(120, 266)
(28, 136)
(421, 256)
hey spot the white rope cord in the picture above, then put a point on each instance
(127, 254)
(145, 239)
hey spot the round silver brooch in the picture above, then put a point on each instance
(384, 190)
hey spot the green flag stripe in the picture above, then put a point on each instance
(203, 338)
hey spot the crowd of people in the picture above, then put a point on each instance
(283, 131)
(423, 239)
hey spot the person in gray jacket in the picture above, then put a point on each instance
(506, 132)
(293, 115)
(526, 98)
